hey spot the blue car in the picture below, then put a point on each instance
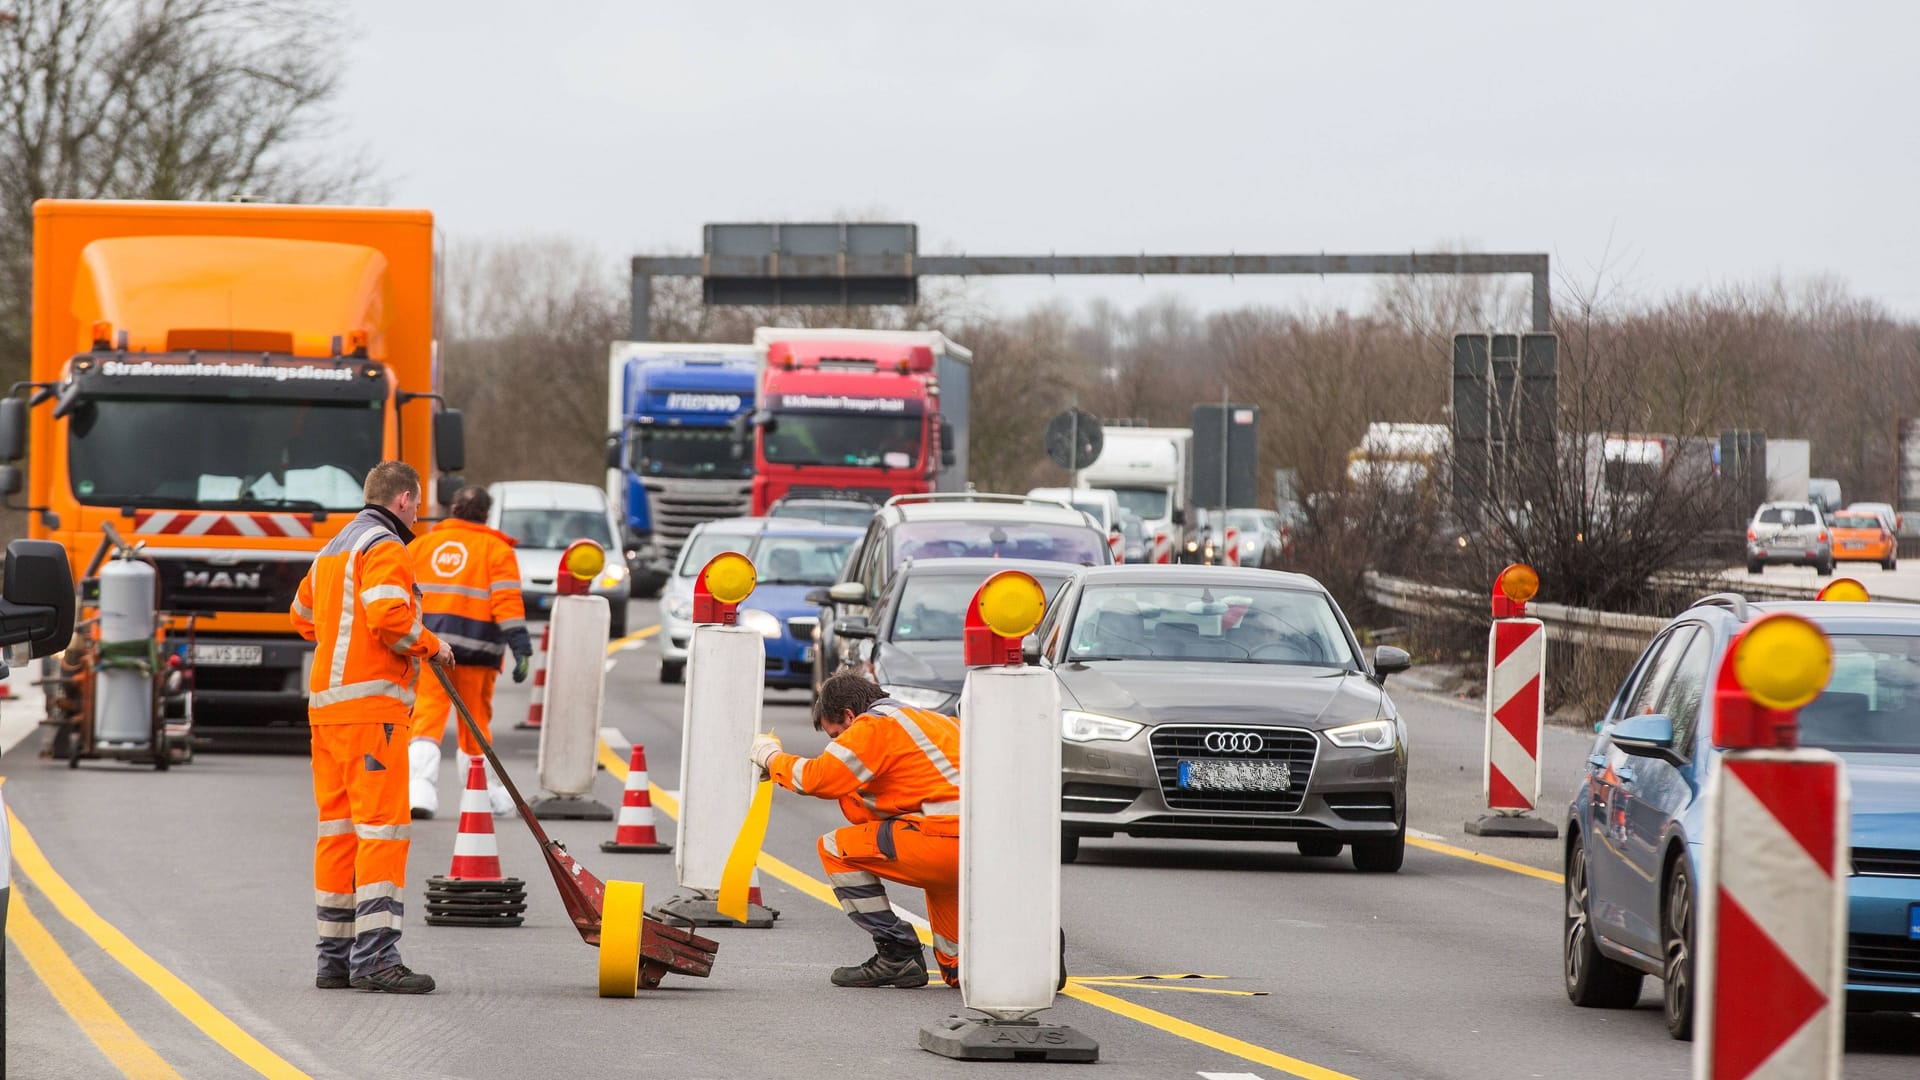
(1635, 828)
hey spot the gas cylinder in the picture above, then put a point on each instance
(123, 678)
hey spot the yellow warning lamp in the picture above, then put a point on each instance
(726, 580)
(581, 561)
(102, 336)
(1845, 589)
(357, 344)
(1516, 585)
(1005, 609)
(1774, 666)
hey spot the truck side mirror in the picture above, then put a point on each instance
(1179, 516)
(13, 429)
(446, 488)
(10, 480)
(449, 440)
(613, 449)
(946, 438)
(39, 601)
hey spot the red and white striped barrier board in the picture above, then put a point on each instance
(1162, 548)
(537, 705)
(1516, 710)
(190, 523)
(1118, 545)
(1233, 548)
(1773, 927)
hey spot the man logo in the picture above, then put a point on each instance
(220, 579)
(450, 558)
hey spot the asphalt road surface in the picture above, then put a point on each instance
(168, 931)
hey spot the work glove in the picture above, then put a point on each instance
(764, 747)
(521, 665)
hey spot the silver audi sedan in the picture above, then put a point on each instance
(1214, 703)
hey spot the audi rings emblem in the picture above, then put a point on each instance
(1235, 742)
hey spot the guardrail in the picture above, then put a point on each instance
(1576, 626)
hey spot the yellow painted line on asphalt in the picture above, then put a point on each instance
(1485, 860)
(1129, 984)
(126, 1050)
(1172, 1025)
(198, 1011)
(634, 638)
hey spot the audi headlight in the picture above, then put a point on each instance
(1371, 735)
(755, 619)
(920, 697)
(680, 607)
(1091, 727)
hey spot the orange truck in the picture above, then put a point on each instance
(214, 381)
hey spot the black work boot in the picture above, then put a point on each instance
(395, 980)
(330, 982)
(893, 965)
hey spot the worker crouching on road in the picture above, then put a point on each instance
(470, 589)
(895, 771)
(358, 604)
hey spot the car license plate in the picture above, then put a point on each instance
(1235, 776)
(1851, 546)
(1913, 922)
(227, 655)
(806, 654)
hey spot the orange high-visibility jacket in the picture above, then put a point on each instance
(894, 761)
(359, 605)
(470, 589)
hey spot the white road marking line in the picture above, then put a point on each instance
(617, 742)
(610, 664)
(632, 645)
(1425, 835)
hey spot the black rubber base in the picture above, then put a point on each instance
(635, 849)
(695, 910)
(558, 809)
(1505, 825)
(460, 902)
(969, 1038)
(475, 885)
(475, 920)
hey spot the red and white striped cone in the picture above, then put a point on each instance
(537, 706)
(474, 892)
(753, 889)
(635, 831)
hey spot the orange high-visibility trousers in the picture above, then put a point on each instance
(433, 709)
(920, 852)
(360, 858)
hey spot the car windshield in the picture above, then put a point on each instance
(1856, 521)
(1787, 515)
(999, 540)
(799, 560)
(933, 607)
(1147, 504)
(1198, 622)
(192, 454)
(702, 547)
(551, 530)
(848, 513)
(1872, 703)
(871, 442)
(689, 452)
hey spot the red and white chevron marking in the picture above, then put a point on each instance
(1162, 548)
(1516, 708)
(192, 523)
(537, 704)
(1773, 927)
(1233, 548)
(1118, 545)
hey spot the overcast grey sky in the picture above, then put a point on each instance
(1680, 144)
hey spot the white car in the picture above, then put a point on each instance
(544, 517)
(709, 538)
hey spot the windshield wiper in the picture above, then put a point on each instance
(265, 504)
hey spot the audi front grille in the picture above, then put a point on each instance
(1886, 862)
(1173, 743)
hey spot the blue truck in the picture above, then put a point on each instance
(676, 455)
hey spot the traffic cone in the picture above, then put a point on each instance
(474, 892)
(753, 889)
(635, 832)
(537, 707)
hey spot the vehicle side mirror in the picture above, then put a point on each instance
(946, 437)
(818, 597)
(853, 626)
(1649, 735)
(39, 600)
(766, 422)
(613, 450)
(1030, 649)
(13, 429)
(449, 440)
(848, 592)
(445, 488)
(1389, 660)
(11, 480)
(1179, 516)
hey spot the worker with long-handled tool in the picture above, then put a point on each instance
(895, 770)
(358, 604)
(470, 593)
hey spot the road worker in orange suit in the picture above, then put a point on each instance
(470, 589)
(895, 771)
(358, 604)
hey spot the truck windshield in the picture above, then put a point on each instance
(1147, 504)
(868, 442)
(688, 452)
(184, 453)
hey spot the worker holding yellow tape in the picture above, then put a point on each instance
(895, 770)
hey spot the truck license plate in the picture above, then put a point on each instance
(227, 655)
(1235, 776)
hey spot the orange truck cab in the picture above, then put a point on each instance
(214, 381)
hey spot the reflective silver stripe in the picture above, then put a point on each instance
(378, 920)
(799, 766)
(356, 691)
(513, 624)
(502, 586)
(946, 945)
(336, 827)
(918, 734)
(332, 899)
(475, 644)
(454, 590)
(381, 832)
(377, 891)
(938, 809)
(831, 845)
(303, 611)
(866, 905)
(852, 879)
(852, 761)
(327, 928)
(410, 638)
(337, 671)
(383, 592)
(867, 800)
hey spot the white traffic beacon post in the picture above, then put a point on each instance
(576, 689)
(1010, 944)
(1773, 899)
(726, 681)
(1515, 711)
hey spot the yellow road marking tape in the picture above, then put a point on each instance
(1172, 1025)
(126, 1050)
(1138, 978)
(198, 1011)
(641, 634)
(1132, 985)
(1486, 860)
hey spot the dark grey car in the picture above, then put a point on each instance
(1223, 704)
